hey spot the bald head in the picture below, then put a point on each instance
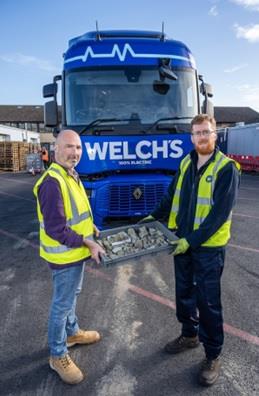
(66, 134)
(68, 149)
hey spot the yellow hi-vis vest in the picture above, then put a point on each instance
(204, 198)
(78, 217)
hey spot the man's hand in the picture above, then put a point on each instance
(96, 231)
(95, 249)
(181, 246)
(146, 219)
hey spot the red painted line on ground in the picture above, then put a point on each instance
(248, 199)
(244, 248)
(241, 334)
(99, 273)
(19, 181)
(17, 238)
(137, 290)
(17, 196)
(165, 301)
(249, 188)
(151, 296)
(245, 215)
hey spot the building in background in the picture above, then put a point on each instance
(228, 116)
(31, 118)
(24, 117)
(12, 134)
(24, 123)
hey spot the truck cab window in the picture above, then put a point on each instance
(122, 93)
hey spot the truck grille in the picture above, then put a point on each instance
(123, 202)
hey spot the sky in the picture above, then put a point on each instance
(222, 35)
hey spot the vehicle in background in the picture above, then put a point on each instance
(131, 96)
(241, 143)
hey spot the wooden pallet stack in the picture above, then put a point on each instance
(24, 150)
(9, 156)
(13, 155)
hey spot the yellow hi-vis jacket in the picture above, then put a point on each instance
(204, 198)
(78, 217)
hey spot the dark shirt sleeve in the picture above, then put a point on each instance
(225, 196)
(162, 210)
(52, 208)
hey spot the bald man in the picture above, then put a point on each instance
(66, 244)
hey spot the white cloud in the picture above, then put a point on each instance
(250, 33)
(213, 11)
(236, 68)
(28, 60)
(250, 4)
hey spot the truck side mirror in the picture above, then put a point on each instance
(50, 90)
(206, 89)
(51, 114)
(208, 108)
(207, 92)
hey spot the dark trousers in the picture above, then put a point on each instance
(197, 276)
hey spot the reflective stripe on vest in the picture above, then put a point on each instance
(204, 199)
(75, 220)
(61, 248)
(199, 220)
(78, 218)
(176, 198)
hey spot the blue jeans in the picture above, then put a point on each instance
(67, 284)
(197, 274)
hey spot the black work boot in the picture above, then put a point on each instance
(181, 344)
(209, 371)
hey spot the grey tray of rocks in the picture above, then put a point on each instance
(127, 242)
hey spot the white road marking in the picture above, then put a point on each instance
(117, 382)
(123, 335)
(151, 269)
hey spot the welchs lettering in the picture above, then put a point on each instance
(143, 150)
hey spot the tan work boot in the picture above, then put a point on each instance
(181, 344)
(66, 369)
(209, 371)
(83, 337)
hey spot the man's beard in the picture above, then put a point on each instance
(205, 147)
(73, 159)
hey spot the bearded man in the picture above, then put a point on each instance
(198, 205)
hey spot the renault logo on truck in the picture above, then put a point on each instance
(137, 193)
(144, 149)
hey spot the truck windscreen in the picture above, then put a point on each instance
(129, 93)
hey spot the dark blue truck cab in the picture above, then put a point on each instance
(131, 96)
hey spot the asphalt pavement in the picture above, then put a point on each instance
(132, 305)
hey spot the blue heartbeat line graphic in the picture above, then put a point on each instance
(122, 55)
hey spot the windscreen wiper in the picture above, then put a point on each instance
(173, 127)
(97, 122)
(100, 121)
